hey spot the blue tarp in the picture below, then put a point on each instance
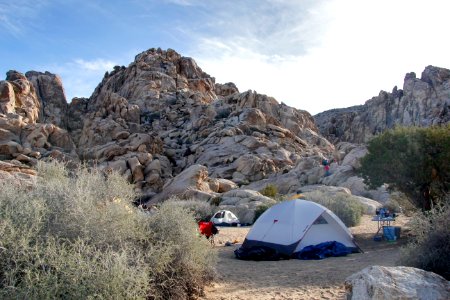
(271, 252)
(323, 250)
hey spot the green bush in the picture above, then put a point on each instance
(343, 205)
(78, 237)
(413, 160)
(405, 205)
(215, 201)
(269, 190)
(260, 210)
(430, 246)
(182, 262)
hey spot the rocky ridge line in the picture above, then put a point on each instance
(423, 101)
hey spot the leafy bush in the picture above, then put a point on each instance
(405, 205)
(393, 206)
(343, 205)
(201, 210)
(260, 210)
(182, 261)
(412, 160)
(78, 237)
(215, 201)
(430, 247)
(269, 190)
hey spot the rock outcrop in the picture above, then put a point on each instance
(381, 283)
(155, 120)
(162, 122)
(163, 104)
(423, 101)
(29, 121)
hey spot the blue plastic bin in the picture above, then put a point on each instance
(389, 233)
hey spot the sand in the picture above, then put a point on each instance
(297, 279)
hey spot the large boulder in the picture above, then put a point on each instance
(191, 183)
(50, 93)
(378, 282)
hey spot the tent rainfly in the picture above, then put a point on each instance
(290, 226)
(225, 218)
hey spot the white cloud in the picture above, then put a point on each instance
(359, 48)
(95, 65)
(18, 15)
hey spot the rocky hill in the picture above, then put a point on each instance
(170, 129)
(153, 120)
(423, 101)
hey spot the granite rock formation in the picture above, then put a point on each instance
(155, 120)
(163, 105)
(378, 282)
(169, 128)
(423, 101)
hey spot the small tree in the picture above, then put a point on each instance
(269, 190)
(415, 161)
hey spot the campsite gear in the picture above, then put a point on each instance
(377, 238)
(382, 220)
(323, 250)
(208, 230)
(288, 227)
(225, 218)
(389, 233)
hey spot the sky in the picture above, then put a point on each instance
(313, 55)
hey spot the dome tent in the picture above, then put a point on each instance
(285, 229)
(225, 218)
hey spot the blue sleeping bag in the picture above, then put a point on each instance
(323, 250)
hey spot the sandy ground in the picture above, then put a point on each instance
(297, 279)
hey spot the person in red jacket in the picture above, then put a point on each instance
(207, 228)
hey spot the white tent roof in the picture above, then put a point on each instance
(292, 225)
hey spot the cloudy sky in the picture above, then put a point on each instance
(311, 54)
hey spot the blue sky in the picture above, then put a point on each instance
(310, 54)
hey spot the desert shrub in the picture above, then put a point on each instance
(78, 237)
(200, 210)
(52, 247)
(429, 248)
(343, 205)
(215, 201)
(405, 205)
(392, 205)
(182, 262)
(269, 190)
(260, 210)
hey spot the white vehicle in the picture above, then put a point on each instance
(225, 218)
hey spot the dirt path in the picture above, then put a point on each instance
(297, 279)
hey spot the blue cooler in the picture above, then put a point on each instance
(389, 233)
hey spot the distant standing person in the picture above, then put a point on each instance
(326, 167)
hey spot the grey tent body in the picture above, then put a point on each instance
(290, 226)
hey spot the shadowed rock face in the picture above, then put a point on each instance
(422, 102)
(50, 93)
